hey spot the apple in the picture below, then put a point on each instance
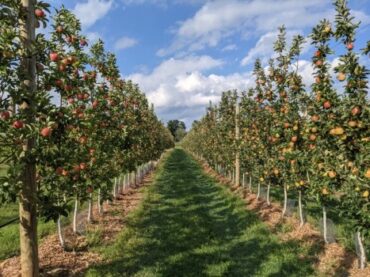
(95, 104)
(46, 132)
(83, 166)
(318, 80)
(70, 100)
(294, 139)
(83, 140)
(39, 13)
(68, 88)
(325, 191)
(327, 104)
(337, 131)
(356, 111)
(54, 56)
(5, 115)
(352, 123)
(312, 137)
(62, 67)
(349, 46)
(319, 63)
(367, 173)
(89, 189)
(59, 170)
(318, 53)
(315, 118)
(18, 124)
(365, 194)
(76, 168)
(341, 76)
(59, 29)
(83, 42)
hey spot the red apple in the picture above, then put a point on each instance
(39, 13)
(18, 124)
(5, 115)
(349, 46)
(356, 110)
(95, 104)
(83, 166)
(46, 132)
(54, 56)
(70, 100)
(327, 104)
(83, 42)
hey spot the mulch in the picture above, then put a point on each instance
(55, 261)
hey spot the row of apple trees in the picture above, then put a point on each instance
(314, 142)
(68, 122)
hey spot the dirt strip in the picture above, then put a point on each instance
(54, 261)
(334, 260)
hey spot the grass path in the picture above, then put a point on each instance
(188, 225)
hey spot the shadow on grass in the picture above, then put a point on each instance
(189, 226)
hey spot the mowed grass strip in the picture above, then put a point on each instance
(188, 225)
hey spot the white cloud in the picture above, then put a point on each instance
(182, 88)
(264, 48)
(124, 43)
(219, 19)
(229, 47)
(91, 11)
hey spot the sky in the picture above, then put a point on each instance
(184, 53)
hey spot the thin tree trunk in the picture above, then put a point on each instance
(362, 259)
(27, 196)
(258, 190)
(237, 138)
(60, 233)
(75, 216)
(250, 183)
(324, 223)
(268, 195)
(285, 200)
(300, 207)
(99, 202)
(89, 213)
(114, 187)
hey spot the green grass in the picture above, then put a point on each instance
(9, 235)
(188, 225)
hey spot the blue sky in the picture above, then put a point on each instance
(184, 53)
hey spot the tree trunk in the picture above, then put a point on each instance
(258, 190)
(300, 208)
(250, 183)
(89, 212)
(114, 188)
(27, 195)
(75, 216)
(362, 259)
(237, 138)
(285, 200)
(99, 202)
(268, 195)
(324, 224)
(60, 233)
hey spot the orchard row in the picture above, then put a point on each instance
(68, 123)
(314, 141)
